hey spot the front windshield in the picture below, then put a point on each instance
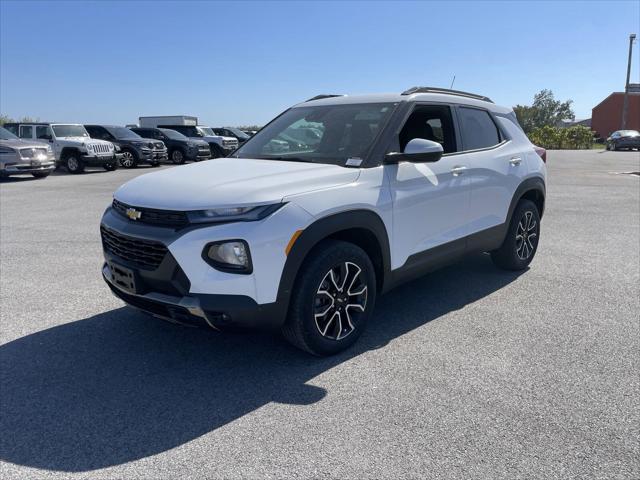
(173, 134)
(69, 131)
(122, 133)
(207, 131)
(7, 135)
(321, 134)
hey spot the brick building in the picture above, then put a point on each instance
(606, 117)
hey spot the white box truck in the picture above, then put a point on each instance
(189, 127)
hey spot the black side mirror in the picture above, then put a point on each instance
(417, 150)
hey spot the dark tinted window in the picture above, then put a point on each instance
(478, 129)
(97, 132)
(430, 122)
(12, 128)
(26, 131)
(42, 131)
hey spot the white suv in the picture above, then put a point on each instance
(386, 188)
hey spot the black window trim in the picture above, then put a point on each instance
(504, 139)
(454, 118)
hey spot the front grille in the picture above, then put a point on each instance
(100, 148)
(32, 152)
(144, 253)
(164, 218)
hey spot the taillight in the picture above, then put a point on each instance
(541, 152)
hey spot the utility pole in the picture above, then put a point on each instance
(625, 105)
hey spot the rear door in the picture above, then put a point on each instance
(494, 167)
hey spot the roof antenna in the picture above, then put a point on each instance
(452, 82)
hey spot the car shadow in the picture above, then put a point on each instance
(120, 386)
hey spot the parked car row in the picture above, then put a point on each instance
(39, 147)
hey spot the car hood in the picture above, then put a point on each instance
(230, 181)
(81, 140)
(14, 143)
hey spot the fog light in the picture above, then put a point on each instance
(231, 255)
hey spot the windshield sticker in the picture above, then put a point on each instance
(354, 162)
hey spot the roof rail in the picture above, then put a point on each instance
(445, 91)
(320, 97)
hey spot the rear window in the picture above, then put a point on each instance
(478, 129)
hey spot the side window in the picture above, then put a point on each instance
(26, 131)
(43, 132)
(478, 129)
(430, 122)
(12, 128)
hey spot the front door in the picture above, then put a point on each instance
(430, 200)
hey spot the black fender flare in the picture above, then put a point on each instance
(530, 184)
(322, 229)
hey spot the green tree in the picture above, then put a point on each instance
(5, 119)
(545, 110)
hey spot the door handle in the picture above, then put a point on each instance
(458, 170)
(515, 161)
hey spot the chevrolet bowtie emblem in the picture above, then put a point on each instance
(133, 214)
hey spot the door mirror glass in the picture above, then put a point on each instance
(417, 150)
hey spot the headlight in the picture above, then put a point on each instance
(229, 255)
(49, 149)
(88, 147)
(232, 214)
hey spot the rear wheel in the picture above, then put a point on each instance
(521, 243)
(73, 163)
(333, 298)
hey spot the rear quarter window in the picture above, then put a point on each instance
(478, 129)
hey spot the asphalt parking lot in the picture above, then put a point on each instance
(470, 372)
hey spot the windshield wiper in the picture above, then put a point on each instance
(288, 159)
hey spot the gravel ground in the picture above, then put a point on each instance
(470, 372)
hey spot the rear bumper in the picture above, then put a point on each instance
(205, 310)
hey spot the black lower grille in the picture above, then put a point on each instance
(152, 216)
(143, 253)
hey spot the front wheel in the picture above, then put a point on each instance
(521, 243)
(216, 152)
(74, 164)
(129, 159)
(333, 298)
(177, 156)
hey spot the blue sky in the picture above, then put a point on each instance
(244, 62)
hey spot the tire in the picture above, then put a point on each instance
(129, 159)
(177, 156)
(73, 163)
(521, 243)
(322, 319)
(217, 152)
(110, 167)
(41, 174)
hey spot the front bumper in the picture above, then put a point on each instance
(215, 311)
(153, 156)
(25, 167)
(99, 160)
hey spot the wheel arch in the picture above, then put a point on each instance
(363, 228)
(68, 150)
(532, 189)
